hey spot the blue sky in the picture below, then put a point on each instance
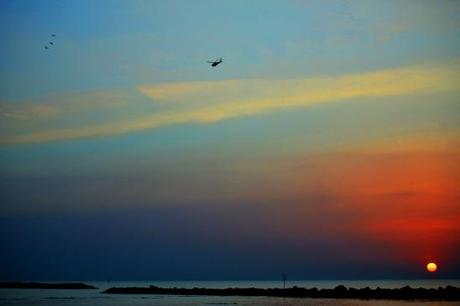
(111, 44)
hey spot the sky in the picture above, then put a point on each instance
(325, 146)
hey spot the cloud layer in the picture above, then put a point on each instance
(204, 102)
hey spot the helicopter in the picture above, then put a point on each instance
(216, 62)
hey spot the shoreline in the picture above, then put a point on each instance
(37, 285)
(448, 293)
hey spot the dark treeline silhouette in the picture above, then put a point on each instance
(46, 285)
(448, 293)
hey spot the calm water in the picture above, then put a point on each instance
(94, 297)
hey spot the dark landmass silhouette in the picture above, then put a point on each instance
(31, 285)
(448, 293)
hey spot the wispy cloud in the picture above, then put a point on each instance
(27, 112)
(425, 141)
(213, 101)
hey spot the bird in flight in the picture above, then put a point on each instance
(51, 43)
(216, 62)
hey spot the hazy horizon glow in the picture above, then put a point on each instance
(327, 144)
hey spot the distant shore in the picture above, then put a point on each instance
(448, 293)
(33, 285)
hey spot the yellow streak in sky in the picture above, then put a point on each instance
(213, 101)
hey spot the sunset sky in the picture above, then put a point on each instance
(326, 145)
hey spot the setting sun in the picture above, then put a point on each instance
(431, 267)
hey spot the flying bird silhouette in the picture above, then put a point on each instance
(51, 43)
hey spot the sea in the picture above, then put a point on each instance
(51, 297)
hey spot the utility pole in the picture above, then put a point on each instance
(284, 280)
